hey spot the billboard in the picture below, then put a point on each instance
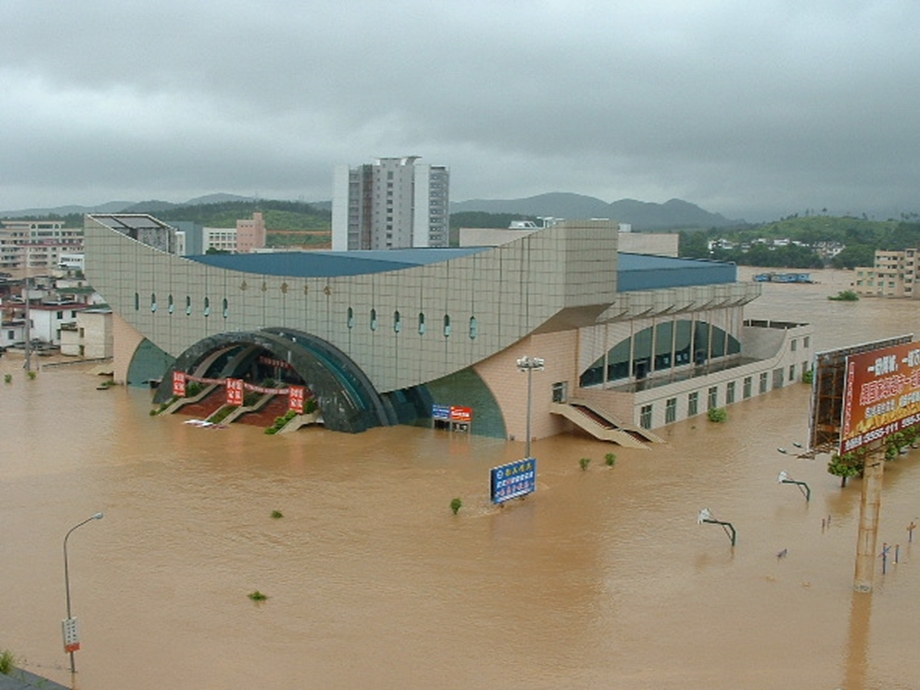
(513, 480)
(179, 383)
(296, 398)
(827, 391)
(234, 391)
(882, 395)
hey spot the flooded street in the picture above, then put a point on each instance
(602, 579)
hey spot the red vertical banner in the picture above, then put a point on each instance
(235, 392)
(179, 383)
(296, 396)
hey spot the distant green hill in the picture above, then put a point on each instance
(860, 236)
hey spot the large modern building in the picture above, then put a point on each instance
(392, 203)
(630, 342)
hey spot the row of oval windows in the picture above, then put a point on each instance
(374, 322)
(422, 325)
(171, 305)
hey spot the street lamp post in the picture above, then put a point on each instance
(71, 645)
(529, 364)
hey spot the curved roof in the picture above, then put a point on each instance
(634, 271)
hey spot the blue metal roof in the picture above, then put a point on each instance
(634, 272)
(321, 264)
(649, 272)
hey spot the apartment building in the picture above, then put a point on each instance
(36, 244)
(894, 274)
(393, 203)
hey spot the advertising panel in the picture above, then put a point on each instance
(179, 383)
(461, 414)
(827, 391)
(441, 412)
(295, 398)
(235, 392)
(882, 395)
(513, 480)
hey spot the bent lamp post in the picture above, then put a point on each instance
(784, 478)
(71, 634)
(706, 516)
(529, 364)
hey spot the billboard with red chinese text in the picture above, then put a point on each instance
(882, 395)
(235, 392)
(296, 398)
(828, 390)
(179, 383)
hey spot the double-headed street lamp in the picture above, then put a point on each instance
(530, 364)
(71, 637)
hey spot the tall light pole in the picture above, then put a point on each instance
(71, 638)
(529, 364)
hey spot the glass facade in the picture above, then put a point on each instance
(661, 348)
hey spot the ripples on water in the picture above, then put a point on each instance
(601, 579)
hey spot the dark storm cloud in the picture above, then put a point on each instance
(750, 110)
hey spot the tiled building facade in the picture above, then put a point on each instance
(377, 336)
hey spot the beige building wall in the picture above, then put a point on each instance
(509, 384)
(126, 340)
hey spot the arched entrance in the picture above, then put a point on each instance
(347, 398)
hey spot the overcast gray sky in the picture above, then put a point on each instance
(751, 109)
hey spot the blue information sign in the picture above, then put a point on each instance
(440, 412)
(514, 479)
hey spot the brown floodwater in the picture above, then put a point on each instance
(601, 579)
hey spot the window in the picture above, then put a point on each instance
(560, 391)
(645, 417)
(474, 328)
(171, 307)
(763, 382)
(350, 321)
(670, 410)
(693, 403)
(226, 308)
(60, 315)
(446, 325)
(747, 387)
(793, 345)
(397, 322)
(777, 378)
(188, 305)
(137, 302)
(712, 400)
(373, 319)
(806, 341)
(792, 372)
(729, 392)
(153, 302)
(421, 324)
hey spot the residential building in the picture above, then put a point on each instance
(90, 336)
(894, 274)
(393, 203)
(34, 245)
(250, 234)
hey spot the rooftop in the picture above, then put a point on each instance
(634, 272)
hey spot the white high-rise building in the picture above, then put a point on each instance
(391, 203)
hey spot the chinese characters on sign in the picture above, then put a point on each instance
(179, 383)
(513, 480)
(296, 397)
(235, 392)
(882, 395)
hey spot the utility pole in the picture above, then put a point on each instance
(28, 325)
(869, 508)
